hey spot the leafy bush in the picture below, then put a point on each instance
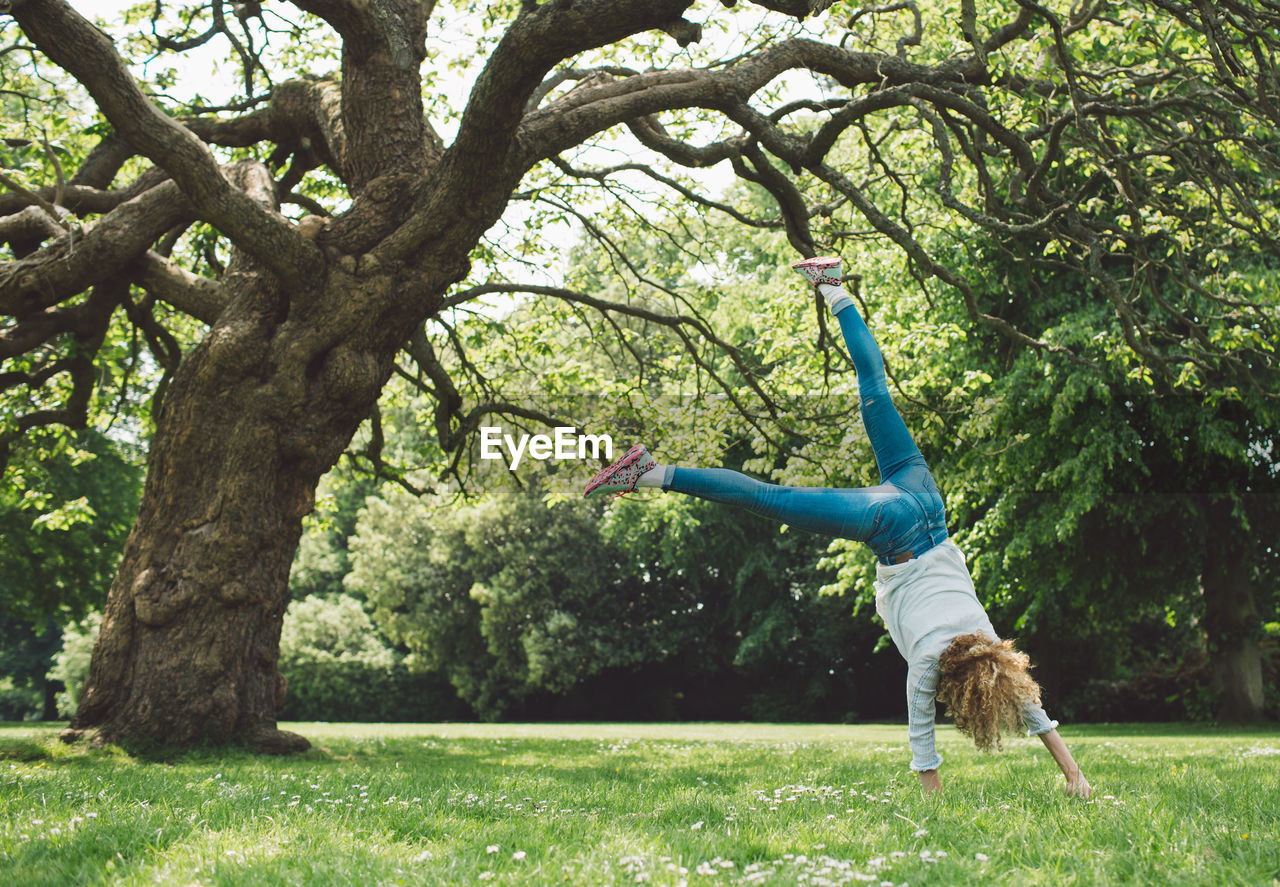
(507, 596)
(339, 669)
(71, 664)
(18, 703)
(537, 607)
(26, 650)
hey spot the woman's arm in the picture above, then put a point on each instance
(922, 707)
(1077, 785)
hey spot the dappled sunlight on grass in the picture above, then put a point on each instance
(651, 803)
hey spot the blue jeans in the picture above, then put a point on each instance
(901, 517)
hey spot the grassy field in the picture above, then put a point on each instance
(696, 804)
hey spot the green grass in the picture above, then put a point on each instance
(702, 804)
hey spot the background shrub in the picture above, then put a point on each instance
(339, 669)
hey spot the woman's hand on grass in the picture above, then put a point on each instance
(1079, 787)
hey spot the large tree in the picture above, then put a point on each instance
(1129, 140)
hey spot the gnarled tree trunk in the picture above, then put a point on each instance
(256, 414)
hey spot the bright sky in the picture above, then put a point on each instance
(201, 69)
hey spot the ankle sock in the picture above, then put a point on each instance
(654, 477)
(836, 296)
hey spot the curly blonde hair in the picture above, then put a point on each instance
(985, 684)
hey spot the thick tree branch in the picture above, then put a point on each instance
(382, 115)
(67, 266)
(581, 114)
(75, 45)
(477, 173)
(584, 76)
(1006, 34)
(303, 113)
(531, 47)
(30, 224)
(83, 201)
(75, 262)
(797, 8)
(795, 212)
(192, 294)
(356, 21)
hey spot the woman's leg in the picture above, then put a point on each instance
(897, 456)
(847, 513)
(891, 442)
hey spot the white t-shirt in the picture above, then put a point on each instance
(925, 603)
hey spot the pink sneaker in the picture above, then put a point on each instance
(823, 269)
(621, 476)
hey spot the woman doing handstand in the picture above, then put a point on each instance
(924, 592)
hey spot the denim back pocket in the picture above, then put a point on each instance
(898, 523)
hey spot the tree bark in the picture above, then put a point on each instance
(1232, 626)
